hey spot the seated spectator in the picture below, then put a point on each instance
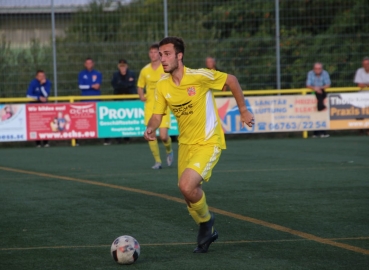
(318, 80)
(39, 90)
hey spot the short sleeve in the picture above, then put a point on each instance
(160, 105)
(141, 83)
(213, 79)
(309, 81)
(327, 79)
(357, 77)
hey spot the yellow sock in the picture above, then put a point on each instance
(168, 145)
(199, 211)
(154, 147)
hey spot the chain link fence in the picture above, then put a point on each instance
(240, 34)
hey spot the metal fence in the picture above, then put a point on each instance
(267, 44)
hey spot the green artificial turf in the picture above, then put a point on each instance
(315, 186)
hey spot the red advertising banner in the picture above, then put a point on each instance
(61, 121)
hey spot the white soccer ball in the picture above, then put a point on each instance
(125, 249)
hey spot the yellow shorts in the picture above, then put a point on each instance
(165, 122)
(200, 158)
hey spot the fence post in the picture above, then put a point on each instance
(277, 45)
(165, 6)
(304, 133)
(54, 49)
(73, 141)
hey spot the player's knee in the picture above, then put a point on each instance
(185, 188)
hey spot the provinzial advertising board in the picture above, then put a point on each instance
(12, 122)
(274, 114)
(349, 111)
(61, 121)
(124, 119)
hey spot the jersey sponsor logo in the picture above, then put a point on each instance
(191, 91)
(85, 77)
(197, 165)
(183, 109)
(168, 96)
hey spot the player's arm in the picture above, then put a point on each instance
(141, 93)
(233, 84)
(152, 126)
(160, 109)
(141, 83)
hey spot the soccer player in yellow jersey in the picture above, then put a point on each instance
(148, 78)
(187, 92)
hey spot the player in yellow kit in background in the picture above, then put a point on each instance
(187, 92)
(148, 78)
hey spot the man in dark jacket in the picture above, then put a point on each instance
(124, 80)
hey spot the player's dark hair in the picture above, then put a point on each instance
(177, 42)
(154, 46)
(366, 58)
(39, 71)
(88, 58)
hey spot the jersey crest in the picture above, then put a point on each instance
(191, 91)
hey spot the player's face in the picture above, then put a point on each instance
(89, 64)
(168, 58)
(366, 65)
(41, 76)
(154, 55)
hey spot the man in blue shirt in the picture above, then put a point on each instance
(39, 90)
(89, 80)
(318, 80)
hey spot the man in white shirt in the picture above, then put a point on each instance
(362, 74)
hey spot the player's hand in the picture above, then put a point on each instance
(143, 98)
(149, 134)
(43, 99)
(247, 118)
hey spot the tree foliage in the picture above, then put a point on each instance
(240, 34)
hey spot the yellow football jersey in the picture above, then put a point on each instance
(193, 104)
(148, 79)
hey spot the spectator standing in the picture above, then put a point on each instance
(123, 83)
(89, 81)
(318, 80)
(362, 74)
(124, 80)
(211, 63)
(39, 90)
(362, 79)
